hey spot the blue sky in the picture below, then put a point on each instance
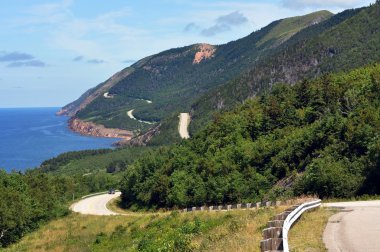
(53, 51)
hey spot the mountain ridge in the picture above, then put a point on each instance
(173, 79)
(317, 50)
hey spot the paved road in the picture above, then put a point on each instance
(355, 229)
(95, 205)
(184, 121)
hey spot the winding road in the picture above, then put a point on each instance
(95, 205)
(130, 113)
(355, 229)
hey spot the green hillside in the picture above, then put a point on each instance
(174, 79)
(346, 41)
(322, 135)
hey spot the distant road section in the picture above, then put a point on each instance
(184, 121)
(95, 205)
(130, 115)
(355, 229)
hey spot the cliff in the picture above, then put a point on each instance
(96, 130)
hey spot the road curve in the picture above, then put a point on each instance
(95, 205)
(355, 229)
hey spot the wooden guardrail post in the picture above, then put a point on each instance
(276, 235)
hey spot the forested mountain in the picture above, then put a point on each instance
(174, 79)
(346, 41)
(322, 136)
(204, 79)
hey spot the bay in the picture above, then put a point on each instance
(28, 136)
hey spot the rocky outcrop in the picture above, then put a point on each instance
(92, 129)
(205, 51)
(141, 140)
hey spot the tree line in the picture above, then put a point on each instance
(325, 134)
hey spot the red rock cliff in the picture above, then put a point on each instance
(92, 129)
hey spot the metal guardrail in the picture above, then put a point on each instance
(292, 217)
(256, 205)
(96, 194)
(276, 235)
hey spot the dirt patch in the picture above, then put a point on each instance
(205, 51)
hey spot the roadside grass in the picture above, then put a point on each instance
(114, 206)
(307, 234)
(357, 198)
(238, 230)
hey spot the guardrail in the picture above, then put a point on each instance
(96, 194)
(276, 235)
(256, 205)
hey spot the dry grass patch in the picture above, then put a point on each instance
(307, 234)
(238, 230)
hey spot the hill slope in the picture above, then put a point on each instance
(322, 135)
(174, 79)
(346, 41)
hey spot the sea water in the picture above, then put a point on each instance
(28, 136)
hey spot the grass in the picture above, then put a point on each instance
(202, 231)
(356, 198)
(307, 234)
(289, 26)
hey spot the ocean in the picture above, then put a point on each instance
(28, 136)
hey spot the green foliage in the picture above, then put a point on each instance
(92, 161)
(63, 159)
(39, 195)
(345, 41)
(27, 200)
(325, 130)
(168, 132)
(173, 82)
(171, 233)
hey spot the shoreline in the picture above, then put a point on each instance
(96, 130)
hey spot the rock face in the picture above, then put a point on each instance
(92, 129)
(205, 51)
(141, 140)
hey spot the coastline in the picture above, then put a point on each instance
(96, 130)
(33, 135)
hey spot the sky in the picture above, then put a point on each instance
(53, 51)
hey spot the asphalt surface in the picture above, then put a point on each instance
(355, 229)
(184, 121)
(95, 205)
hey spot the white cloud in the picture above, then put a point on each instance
(94, 37)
